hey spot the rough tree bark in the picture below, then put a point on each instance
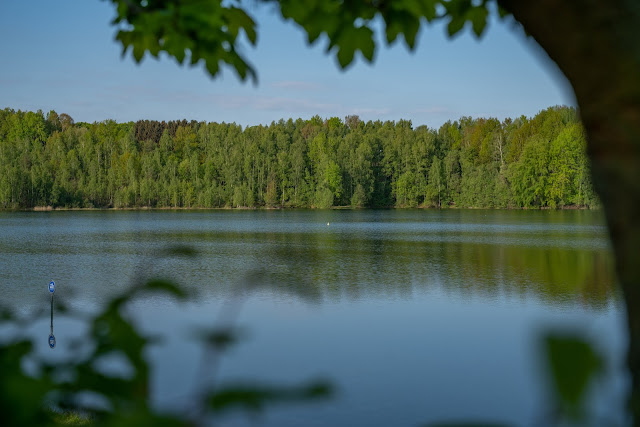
(596, 44)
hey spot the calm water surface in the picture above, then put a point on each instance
(415, 316)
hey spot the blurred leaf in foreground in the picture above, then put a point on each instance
(573, 364)
(253, 397)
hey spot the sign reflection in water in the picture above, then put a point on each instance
(52, 338)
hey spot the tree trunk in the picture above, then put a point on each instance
(596, 45)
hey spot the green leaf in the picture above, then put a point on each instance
(455, 25)
(212, 67)
(5, 314)
(254, 398)
(573, 364)
(411, 27)
(502, 12)
(220, 338)
(345, 55)
(418, 8)
(393, 28)
(138, 52)
(478, 16)
(165, 286)
(237, 18)
(352, 39)
(365, 42)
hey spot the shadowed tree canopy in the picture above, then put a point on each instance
(593, 42)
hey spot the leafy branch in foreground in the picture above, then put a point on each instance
(192, 30)
(207, 30)
(50, 390)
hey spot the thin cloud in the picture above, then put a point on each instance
(272, 103)
(296, 85)
(372, 111)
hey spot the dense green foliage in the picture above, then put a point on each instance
(52, 161)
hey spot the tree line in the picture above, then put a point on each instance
(485, 163)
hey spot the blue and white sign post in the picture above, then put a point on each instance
(52, 339)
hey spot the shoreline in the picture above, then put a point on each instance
(245, 208)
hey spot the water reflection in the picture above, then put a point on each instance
(433, 287)
(334, 266)
(557, 257)
(52, 339)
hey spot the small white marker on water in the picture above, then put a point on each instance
(327, 224)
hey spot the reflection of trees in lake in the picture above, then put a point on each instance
(335, 266)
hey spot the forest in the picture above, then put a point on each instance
(51, 161)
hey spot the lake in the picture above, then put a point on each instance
(416, 316)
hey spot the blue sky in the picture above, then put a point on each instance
(62, 55)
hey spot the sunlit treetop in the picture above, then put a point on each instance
(208, 30)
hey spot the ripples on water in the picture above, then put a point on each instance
(417, 315)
